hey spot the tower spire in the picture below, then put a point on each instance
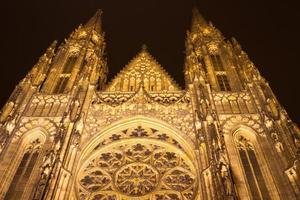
(95, 22)
(197, 18)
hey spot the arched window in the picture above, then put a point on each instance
(62, 83)
(223, 82)
(68, 67)
(65, 75)
(252, 170)
(217, 63)
(23, 172)
(221, 73)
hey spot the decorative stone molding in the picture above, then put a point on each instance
(234, 122)
(27, 125)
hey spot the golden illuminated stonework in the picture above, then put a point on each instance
(148, 165)
(68, 133)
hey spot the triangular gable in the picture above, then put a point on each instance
(143, 70)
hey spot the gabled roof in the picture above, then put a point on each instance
(143, 70)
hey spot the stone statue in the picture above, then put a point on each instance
(226, 179)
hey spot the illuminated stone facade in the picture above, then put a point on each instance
(68, 134)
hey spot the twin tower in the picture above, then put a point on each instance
(66, 133)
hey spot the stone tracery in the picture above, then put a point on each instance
(102, 143)
(141, 168)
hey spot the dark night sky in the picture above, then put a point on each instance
(267, 30)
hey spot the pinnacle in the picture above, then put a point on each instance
(198, 19)
(53, 44)
(95, 22)
(144, 50)
(144, 47)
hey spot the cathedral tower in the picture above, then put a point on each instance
(67, 133)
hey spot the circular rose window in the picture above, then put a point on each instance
(136, 179)
(137, 169)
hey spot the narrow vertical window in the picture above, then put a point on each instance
(30, 165)
(61, 84)
(69, 65)
(11, 193)
(202, 62)
(64, 77)
(22, 174)
(220, 72)
(217, 63)
(223, 83)
(83, 64)
(254, 176)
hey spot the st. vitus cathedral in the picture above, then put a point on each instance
(67, 133)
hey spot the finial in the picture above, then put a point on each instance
(53, 44)
(144, 47)
(52, 47)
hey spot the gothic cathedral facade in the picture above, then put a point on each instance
(67, 133)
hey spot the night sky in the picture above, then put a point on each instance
(267, 30)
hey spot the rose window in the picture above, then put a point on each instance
(136, 179)
(137, 169)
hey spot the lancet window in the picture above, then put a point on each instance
(202, 62)
(23, 171)
(217, 63)
(61, 84)
(223, 82)
(252, 169)
(65, 75)
(69, 65)
(220, 72)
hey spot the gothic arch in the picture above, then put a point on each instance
(233, 123)
(233, 139)
(47, 126)
(162, 162)
(180, 137)
(37, 133)
(31, 140)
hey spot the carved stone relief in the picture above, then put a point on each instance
(47, 105)
(28, 124)
(178, 114)
(139, 168)
(232, 122)
(234, 103)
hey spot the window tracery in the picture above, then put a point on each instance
(223, 82)
(23, 172)
(220, 72)
(252, 169)
(65, 75)
(138, 168)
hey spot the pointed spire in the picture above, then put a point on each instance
(198, 19)
(95, 22)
